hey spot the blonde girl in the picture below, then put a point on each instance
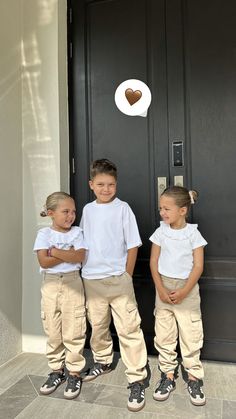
(60, 250)
(176, 264)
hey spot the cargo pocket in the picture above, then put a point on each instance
(197, 330)
(44, 321)
(79, 322)
(133, 318)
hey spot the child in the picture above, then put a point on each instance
(111, 232)
(176, 265)
(60, 250)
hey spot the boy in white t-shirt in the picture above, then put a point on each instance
(112, 236)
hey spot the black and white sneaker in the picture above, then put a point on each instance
(164, 387)
(96, 370)
(53, 381)
(197, 396)
(136, 399)
(73, 386)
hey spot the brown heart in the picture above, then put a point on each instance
(133, 96)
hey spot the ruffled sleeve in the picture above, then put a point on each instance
(156, 237)
(197, 240)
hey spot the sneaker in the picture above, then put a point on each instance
(53, 381)
(73, 386)
(197, 396)
(96, 370)
(136, 399)
(164, 387)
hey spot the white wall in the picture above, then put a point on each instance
(10, 180)
(33, 136)
(45, 134)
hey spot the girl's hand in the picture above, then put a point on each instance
(177, 296)
(164, 295)
(49, 251)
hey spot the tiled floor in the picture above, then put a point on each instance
(106, 397)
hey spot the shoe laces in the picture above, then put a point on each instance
(195, 387)
(54, 376)
(135, 390)
(163, 382)
(72, 380)
(97, 365)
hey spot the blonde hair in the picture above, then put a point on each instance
(52, 202)
(182, 196)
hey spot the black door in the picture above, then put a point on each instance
(185, 52)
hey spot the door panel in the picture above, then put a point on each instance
(113, 57)
(211, 87)
(185, 52)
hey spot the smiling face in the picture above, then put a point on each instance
(104, 188)
(64, 215)
(172, 214)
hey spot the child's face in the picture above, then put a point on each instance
(63, 216)
(172, 214)
(104, 188)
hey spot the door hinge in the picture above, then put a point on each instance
(71, 50)
(73, 165)
(70, 15)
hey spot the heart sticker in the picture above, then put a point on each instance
(133, 96)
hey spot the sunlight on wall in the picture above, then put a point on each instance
(10, 181)
(43, 46)
(40, 102)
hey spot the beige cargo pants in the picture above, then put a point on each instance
(115, 296)
(179, 320)
(64, 320)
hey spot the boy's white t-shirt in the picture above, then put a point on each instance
(47, 237)
(109, 231)
(176, 256)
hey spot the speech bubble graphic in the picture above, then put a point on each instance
(133, 97)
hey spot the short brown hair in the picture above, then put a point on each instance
(103, 166)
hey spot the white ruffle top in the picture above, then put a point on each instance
(176, 256)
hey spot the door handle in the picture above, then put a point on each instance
(178, 180)
(161, 186)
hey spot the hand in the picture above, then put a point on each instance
(164, 295)
(49, 252)
(178, 295)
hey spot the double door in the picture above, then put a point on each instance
(185, 52)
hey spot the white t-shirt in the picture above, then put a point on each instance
(109, 231)
(176, 256)
(47, 237)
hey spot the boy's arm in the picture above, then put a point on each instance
(131, 260)
(46, 261)
(198, 263)
(162, 291)
(70, 256)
